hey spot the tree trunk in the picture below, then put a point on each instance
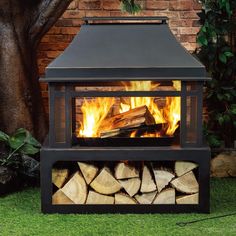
(21, 103)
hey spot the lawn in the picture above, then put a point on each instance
(20, 215)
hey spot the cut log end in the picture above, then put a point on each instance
(105, 183)
(162, 178)
(145, 198)
(131, 186)
(96, 198)
(60, 198)
(125, 171)
(166, 196)
(188, 199)
(183, 167)
(148, 184)
(59, 177)
(89, 171)
(121, 198)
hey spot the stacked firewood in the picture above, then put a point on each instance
(126, 183)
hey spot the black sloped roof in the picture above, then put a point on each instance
(101, 51)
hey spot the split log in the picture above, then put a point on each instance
(162, 178)
(148, 184)
(60, 198)
(76, 189)
(96, 198)
(186, 183)
(125, 171)
(105, 183)
(121, 198)
(88, 171)
(132, 118)
(59, 177)
(224, 165)
(183, 167)
(146, 198)
(166, 196)
(131, 186)
(188, 199)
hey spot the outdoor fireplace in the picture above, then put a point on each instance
(125, 116)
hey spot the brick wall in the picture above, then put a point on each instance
(182, 14)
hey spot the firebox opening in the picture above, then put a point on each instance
(156, 119)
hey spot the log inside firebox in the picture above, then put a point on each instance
(119, 123)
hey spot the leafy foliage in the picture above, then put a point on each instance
(17, 148)
(217, 55)
(130, 6)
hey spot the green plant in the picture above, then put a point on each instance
(130, 6)
(217, 55)
(17, 149)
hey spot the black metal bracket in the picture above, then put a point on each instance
(91, 20)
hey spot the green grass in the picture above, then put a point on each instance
(20, 215)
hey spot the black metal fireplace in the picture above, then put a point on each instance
(125, 115)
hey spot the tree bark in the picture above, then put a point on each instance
(22, 25)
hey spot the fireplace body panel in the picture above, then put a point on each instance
(201, 156)
(92, 67)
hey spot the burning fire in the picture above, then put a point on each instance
(96, 110)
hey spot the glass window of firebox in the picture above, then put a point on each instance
(192, 113)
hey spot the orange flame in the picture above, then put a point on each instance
(141, 101)
(94, 111)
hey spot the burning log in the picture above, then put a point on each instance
(148, 184)
(186, 183)
(166, 196)
(121, 198)
(133, 118)
(105, 183)
(59, 176)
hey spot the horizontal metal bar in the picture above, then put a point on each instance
(129, 18)
(118, 79)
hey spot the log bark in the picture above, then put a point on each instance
(146, 198)
(96, 198)
(76, 189)
(162, 178)
(131, 186)
(188, 199)
(132, 118)
(88, 171)
(125, 171)
(20, 95)
(60, 198)
(121, 198)
(148, 184)
(182, 167)
(166, 196)
(59, 177)
(224, 165)
(186, 183)
(105, 183)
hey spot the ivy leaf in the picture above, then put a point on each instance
(213, 141)
(223, 58)
(228, 54)
(201, 40)
(233, 109)
(3, 137)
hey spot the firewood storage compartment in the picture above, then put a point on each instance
(125, 122)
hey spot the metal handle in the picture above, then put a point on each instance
(163, 19)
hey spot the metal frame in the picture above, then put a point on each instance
(50, 156)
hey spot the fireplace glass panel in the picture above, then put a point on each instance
(153, 118)
(59, 120)
(191, 120)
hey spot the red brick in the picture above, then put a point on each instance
(90, 4)
(157, 5)
(73, 14)
(111, 5)
(189, 30)
(181, 5)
